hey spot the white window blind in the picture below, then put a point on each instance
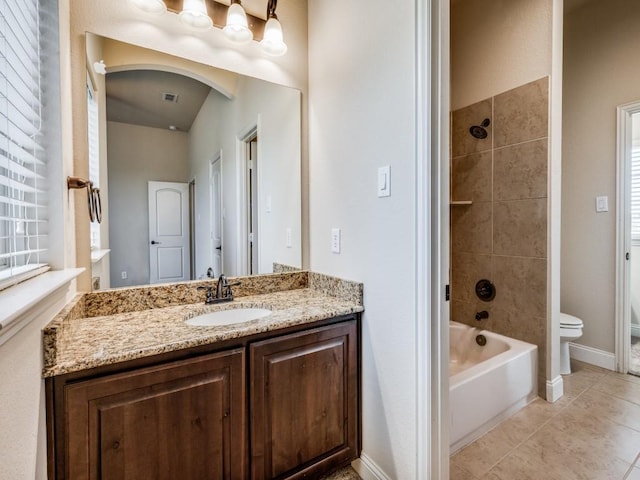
(23, 199)
(635, 192)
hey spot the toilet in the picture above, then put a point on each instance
(570, 330)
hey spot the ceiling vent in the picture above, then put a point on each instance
(170, 97)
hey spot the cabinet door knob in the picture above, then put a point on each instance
(153, 242)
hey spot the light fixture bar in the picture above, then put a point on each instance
(218, 13)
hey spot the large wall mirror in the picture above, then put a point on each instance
(198, 168)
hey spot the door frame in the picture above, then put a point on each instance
(242, 139)
(432, 238)
(216, 158)
(623, 234)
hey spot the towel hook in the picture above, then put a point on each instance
(93, 196)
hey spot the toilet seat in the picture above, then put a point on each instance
(570, 322)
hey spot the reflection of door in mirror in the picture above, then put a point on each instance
(215, 185)
(252, 205)
(166, 119)
(169, 240)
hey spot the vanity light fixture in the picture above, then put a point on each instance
(237, 25)
(273, 41)
(237, 28)
(150, 6)
(194, 13)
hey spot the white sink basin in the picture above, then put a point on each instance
(228, 317)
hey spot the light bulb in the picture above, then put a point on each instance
(194, 14)
(273, 43)
(149, 6)
(237, 29)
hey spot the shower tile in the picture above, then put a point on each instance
(463, 143)
(471, 228)
(466, 270)
(465, 312)
(522, 114)
(520, 228)
(521, 285)
(520, 171)
(471, 177)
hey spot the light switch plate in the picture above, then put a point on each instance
(384, 181)
(289, 240)
(335, 240)
(602, 204)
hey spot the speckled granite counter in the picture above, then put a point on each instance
(113, 326)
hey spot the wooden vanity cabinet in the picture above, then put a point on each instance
(304, 402)
(183, 420)
(282, 405)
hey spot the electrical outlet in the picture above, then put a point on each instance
(124, 275)
(335, 240)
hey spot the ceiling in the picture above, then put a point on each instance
(137, 97)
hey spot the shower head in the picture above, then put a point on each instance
(479, 131)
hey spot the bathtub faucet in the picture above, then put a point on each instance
(481, 315)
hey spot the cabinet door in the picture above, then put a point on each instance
(304, 402)
(183, 420)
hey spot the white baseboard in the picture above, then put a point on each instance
(555, 389)
(367, 469)
(635, 330)
(592, 356)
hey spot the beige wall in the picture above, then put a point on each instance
(276, 112)
(502, 235)
(497, 45)
(117, 20)
(361, 117)
(601, 71)
(138, 155)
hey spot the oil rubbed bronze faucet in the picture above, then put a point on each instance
(481, 315)
(223, 291)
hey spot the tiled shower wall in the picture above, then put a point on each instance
(502, 235)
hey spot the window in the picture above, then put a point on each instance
(23, 169)
(635, 193)
(94, 154)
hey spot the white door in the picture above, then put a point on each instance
(215, 184)
(169, 256)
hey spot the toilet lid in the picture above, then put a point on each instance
(569, 321)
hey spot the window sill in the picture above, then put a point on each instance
(18, 303)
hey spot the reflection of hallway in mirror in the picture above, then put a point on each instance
(252, 204)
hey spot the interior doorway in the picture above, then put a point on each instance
(248, 216)
(215, 192)
(628, 249)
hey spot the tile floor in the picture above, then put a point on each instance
(346, 473)
(591, 433)
(634, 360)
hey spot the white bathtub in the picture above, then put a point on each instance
(487, 383)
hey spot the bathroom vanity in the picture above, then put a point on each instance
(134, 392)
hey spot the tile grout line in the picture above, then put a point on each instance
(529, 436)
(541, 427)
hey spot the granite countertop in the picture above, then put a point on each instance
(75, 341)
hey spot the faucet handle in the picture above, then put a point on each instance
(209, 295)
